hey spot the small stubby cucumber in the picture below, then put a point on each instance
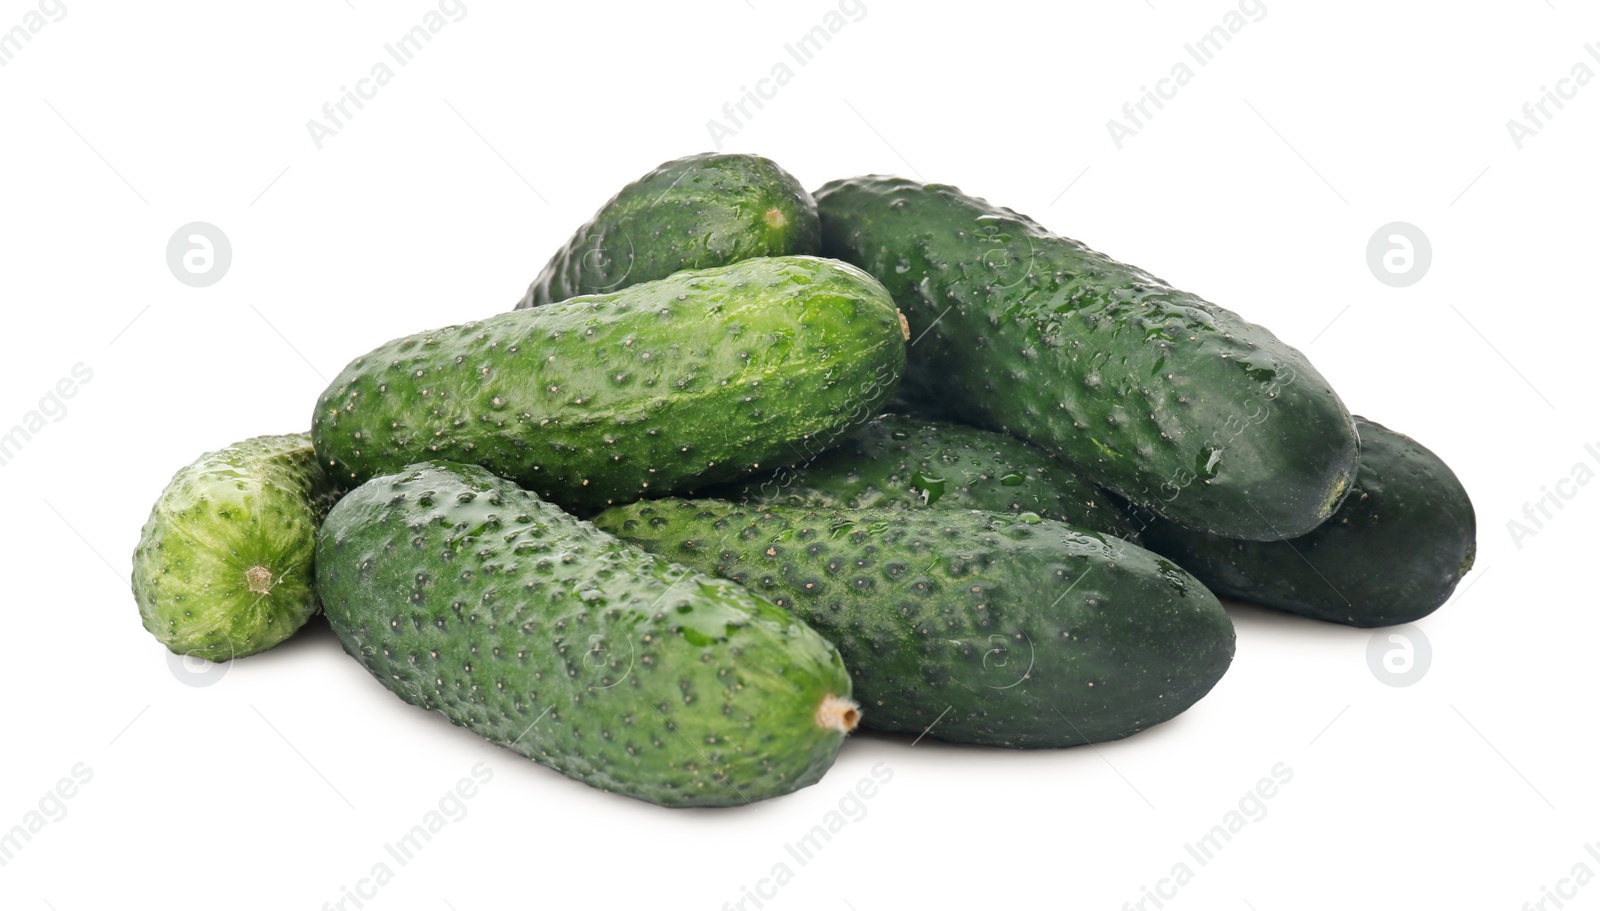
(899, 462)
(464, 594)
(697, 212)
(223, 567)
(1391, 554)
(1177, 404)
(701, 377)
(973, 627)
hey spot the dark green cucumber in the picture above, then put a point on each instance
(1392, 553)
(697, 378)
(897, 462)
(692, 213)
(1173, 402)
(223, 568)
(974, 627)
(467, 595)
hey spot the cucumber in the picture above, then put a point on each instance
(223, 567)
(692, 213)
(697, 378)
(467, 595)
(899, 462)
(973, 627)
(1175, 403)
(1392, 553)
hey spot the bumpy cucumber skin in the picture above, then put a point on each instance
(1007, 631)
(1391, 554)
(694, 379)
(691, 213)
(467, 595)
(899, 462)
(1174, 403)
(223, 567)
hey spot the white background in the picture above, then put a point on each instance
(1258, 186)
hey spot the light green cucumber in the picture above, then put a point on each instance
(223, 568)
(694, 379)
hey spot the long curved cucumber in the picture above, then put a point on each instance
(1171, 401)
(467, 595)
(973, 627)
(698, 378)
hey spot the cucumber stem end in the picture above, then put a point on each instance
(259, 579)
(837, 714)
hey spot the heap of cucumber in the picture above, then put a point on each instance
(745, 468)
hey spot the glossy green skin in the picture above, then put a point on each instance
(1392, 553)
(467, 595)
(899, 462)
(692, 213)
(697, 378)
(223, 568)
(1172, 402)
(975, 627)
